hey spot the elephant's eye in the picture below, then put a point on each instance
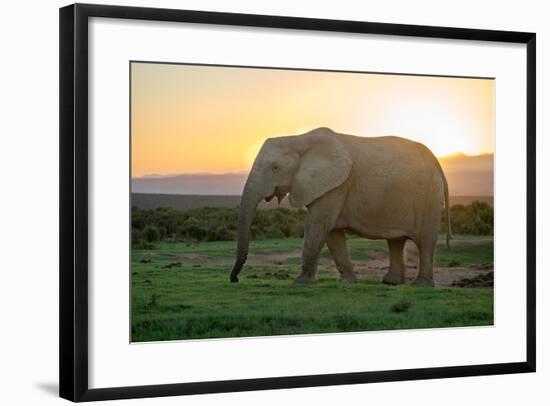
(275, 167)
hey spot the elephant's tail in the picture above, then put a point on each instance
(447, 206)
(447, 211)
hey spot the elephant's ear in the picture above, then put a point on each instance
(324, 165)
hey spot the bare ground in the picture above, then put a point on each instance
(478, 275)
(443, 276)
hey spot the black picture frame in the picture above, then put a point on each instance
(73, 131)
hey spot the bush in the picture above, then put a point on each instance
(221, 233)
(274, 231)
(214, 224)
(151, 234)
(475, 218)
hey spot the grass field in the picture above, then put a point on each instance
(182, 291)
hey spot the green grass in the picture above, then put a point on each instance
(196, 300)
(464, 253)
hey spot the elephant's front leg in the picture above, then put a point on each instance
(321, 217)
(315, 235)
(396, 273)
(336, 242)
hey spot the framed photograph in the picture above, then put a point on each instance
(257, 202)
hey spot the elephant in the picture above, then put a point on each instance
(386, 187)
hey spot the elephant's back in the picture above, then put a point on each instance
(390, 156)
(393, 179)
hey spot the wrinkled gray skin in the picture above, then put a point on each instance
(386, 188)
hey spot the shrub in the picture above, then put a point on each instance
(475, 218)
(274, 231)
(151, 234)
(220, 233)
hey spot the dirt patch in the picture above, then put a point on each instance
(378, 261)
(375, 267)
(443, 276)
(482, 267)
(277, 258)
(480, 281)
(194, 258)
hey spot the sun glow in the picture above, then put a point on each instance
(214, 119)
(443, 130)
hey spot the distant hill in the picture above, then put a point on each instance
(466, 175)
(153, 201)
(469, 175)
(191, 184)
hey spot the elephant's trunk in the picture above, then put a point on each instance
(249, 201)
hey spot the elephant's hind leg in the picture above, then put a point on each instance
(396, 273)
(426, 249)
(336, 242)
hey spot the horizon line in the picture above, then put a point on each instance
(156, 175)
(239, 195)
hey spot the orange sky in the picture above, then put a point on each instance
(188, 119)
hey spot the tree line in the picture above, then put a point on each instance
(220, 224)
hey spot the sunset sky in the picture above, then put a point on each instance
(191, 119)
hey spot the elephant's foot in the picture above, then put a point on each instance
(305, 279)
(394, 278)
(348, 278)
(423, 282)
